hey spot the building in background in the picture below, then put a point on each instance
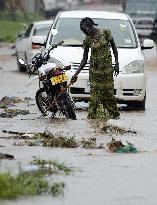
(49, 8)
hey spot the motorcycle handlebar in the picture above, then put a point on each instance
(45, 57)
(54, 46)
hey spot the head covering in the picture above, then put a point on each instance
(87, 22)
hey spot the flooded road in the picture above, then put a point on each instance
(100, 177)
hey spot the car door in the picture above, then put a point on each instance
(24, 43)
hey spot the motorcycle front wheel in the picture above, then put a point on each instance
(66, 106)
(43, 102)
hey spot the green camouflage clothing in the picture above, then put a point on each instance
(102, 103)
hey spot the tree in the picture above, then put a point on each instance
(2, 5)
(13, 6)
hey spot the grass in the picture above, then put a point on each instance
(23, 184)
(33, 182)
(9, 28)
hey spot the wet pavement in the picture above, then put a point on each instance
(100, 177)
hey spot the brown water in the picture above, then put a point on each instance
(100, 177)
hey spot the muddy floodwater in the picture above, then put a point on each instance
(100, 177)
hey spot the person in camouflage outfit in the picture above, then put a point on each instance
(103, 104)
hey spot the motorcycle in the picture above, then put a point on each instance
(52, 95)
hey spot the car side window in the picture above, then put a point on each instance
(28, 31)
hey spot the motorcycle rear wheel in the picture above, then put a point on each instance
(42, 101)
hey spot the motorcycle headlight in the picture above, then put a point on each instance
(58, 63)
(135, 67)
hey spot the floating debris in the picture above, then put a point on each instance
(60, 141)
(3, 106)
(57, 188)
(6, 156)
(27, 99)
(10, 113)
(119, 147)
(19, 144)
(88, 143)
(24, 135)
(102, 146)
(112, 127)
(10, 101)
(34, 143)
(48, 139)
(51, 166)
(32, 180)
(5, 101)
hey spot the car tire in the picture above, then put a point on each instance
(20, 68)
(140, 105)
(27, 69)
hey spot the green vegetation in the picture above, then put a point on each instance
(57, 188)
(60, 141)
(33, 180)
(23, 184)
(20, 16)
(9, 28)
(54, 166)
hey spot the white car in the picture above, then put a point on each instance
(145, 27)
(24, 48)
(130, 84)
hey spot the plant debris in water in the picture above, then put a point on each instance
(6, 156)
(51, 166)
(48, 139)
(24, 184)
(11, 101)
(5, 101)
(119, 147)
(57, 188)
(9, 113)
(33, 180)
(60, 141)
(88, 143)
(112, 127)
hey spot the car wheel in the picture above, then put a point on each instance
(20, 68)
(27, 67)
(140, 105)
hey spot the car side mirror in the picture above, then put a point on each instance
(54, 32)
(147, 44)
(39, 40)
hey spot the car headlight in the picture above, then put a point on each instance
(58, 63)
(135, 67)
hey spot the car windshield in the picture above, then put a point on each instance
(41, 30)
(69, 31)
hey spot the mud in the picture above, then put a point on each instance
(101, 177)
